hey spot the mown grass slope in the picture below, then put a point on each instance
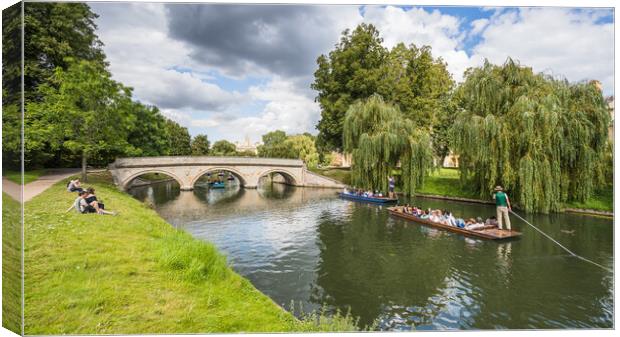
(134, 273)
(11, 264)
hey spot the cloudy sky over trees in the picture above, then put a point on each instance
(232, 71)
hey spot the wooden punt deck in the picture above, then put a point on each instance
(492, 233)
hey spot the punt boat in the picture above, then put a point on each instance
(486, 232)
(218, 184)
(378, 200)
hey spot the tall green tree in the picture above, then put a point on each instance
(223, 148)
(379, 137)
(408, 77)
(303, 147)
(84, 111)
(275, 146)
(54, 33)
(179, 139)
(148, 134)
(543, 139)
(200, 145)
(350, 72)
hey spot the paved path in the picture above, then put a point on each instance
(38, 186)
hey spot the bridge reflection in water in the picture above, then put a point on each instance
(308, 246)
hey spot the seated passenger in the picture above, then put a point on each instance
(451, 219)
(477, 224)
(425, 215)
(492, 221)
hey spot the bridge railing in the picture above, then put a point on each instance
(203, 160)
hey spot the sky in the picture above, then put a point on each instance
(239, 71)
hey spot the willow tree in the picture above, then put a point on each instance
(541, 138)
(379, 137)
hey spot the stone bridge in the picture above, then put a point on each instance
(186, 170)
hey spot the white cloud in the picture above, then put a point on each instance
(477, 26)
(288, 109)
(440, 31)
(553, 40)
(142, 56)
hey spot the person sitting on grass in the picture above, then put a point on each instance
(74, 186)
(91, 199)
(80, 205)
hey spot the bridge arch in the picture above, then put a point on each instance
(125, 184)
(289, 177)
(236, 173)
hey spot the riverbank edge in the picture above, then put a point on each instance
(480, 201)
(277, 319)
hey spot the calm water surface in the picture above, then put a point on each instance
(309, 247)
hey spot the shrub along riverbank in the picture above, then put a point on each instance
(445, 182)
(134, 273)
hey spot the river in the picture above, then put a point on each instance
(308, 247)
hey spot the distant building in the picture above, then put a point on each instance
(451, 160)
(340, 159)
(247, 146)
(611, 106)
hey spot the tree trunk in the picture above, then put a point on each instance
(84, 177)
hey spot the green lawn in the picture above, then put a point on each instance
(11, 264)
(29, 176)
(602, 200)
(342, 175)
(135, 274)
(445, 182)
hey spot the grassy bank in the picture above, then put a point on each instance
(29, 176)
(445, 182)
(134, 273)
(11, 264)
(341, 174)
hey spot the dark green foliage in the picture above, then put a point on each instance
(275, 146)
(179, 140)
(543, 139)
(223, 148)
(379, 136)
(149, 132)
(58, 36)
(407, 77)
(82, 111)
(350, 72)
(200, 145)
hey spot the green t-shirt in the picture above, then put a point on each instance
(501, 199)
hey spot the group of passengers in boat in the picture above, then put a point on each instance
(445, 217)
(86, 201)
(362, 193)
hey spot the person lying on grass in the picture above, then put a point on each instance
(81, 205)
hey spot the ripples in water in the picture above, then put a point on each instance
(308, 247)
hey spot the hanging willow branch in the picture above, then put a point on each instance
(379, 137)
(541, 138)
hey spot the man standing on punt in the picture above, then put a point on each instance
(502, 203)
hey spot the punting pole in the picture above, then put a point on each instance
(559, 244)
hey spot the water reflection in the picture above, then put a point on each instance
(307, 246)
